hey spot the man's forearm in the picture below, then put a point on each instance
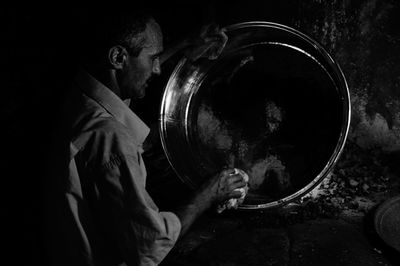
(192, 210)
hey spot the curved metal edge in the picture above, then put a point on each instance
(346, 108)
(310, 40)
(331, 163)
(343, 137)
(273, 25)
(379, 214)
(162, 128)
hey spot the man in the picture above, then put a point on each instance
(99, 212)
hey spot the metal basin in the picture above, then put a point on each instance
(274, 104)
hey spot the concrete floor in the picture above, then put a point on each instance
(253, 239)
(284, 236)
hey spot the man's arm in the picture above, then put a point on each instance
(123, 210)
(209, 44)
(216, 190)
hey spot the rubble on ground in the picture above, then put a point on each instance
(354, 184)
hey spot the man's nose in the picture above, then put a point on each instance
(157, 67)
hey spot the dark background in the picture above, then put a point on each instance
(40, 47)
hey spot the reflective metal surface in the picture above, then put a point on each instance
(274, 104)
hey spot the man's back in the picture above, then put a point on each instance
(101, 190)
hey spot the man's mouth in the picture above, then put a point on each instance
(150, 79)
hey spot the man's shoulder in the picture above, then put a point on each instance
(90, 121)
(91, 116)
(105, 135)
(103, 126)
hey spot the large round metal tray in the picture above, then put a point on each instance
(274, 104)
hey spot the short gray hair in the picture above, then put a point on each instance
(122, 28)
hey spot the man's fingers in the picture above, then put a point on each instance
(228, 172)
(223, 35)
(211, 28)
(211, 42)
(233, 178)
(217, 47)
(220, 37)
(236, 185)
(235, 194)
(239, 184)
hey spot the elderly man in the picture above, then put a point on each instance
(99, 212)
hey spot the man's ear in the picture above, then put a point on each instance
(117, 56)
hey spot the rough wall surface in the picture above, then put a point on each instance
(363, 38)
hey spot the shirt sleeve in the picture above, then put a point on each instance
(144, 235)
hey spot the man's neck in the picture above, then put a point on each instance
(107, 77)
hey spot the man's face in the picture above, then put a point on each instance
(138, 70)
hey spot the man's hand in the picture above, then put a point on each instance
(214, 191)
(209, 44)
(223, 186)
(228, 185)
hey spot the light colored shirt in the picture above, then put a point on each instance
(107, 216)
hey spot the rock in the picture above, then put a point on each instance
(353, 183)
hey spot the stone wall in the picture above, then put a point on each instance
(363, 38)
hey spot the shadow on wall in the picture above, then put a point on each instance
(362, 36)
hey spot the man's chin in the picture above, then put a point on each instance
(142, 94)
(139, 95)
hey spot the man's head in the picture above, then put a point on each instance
(137, 60)
(129, 47)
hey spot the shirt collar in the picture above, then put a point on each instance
(113, 105)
